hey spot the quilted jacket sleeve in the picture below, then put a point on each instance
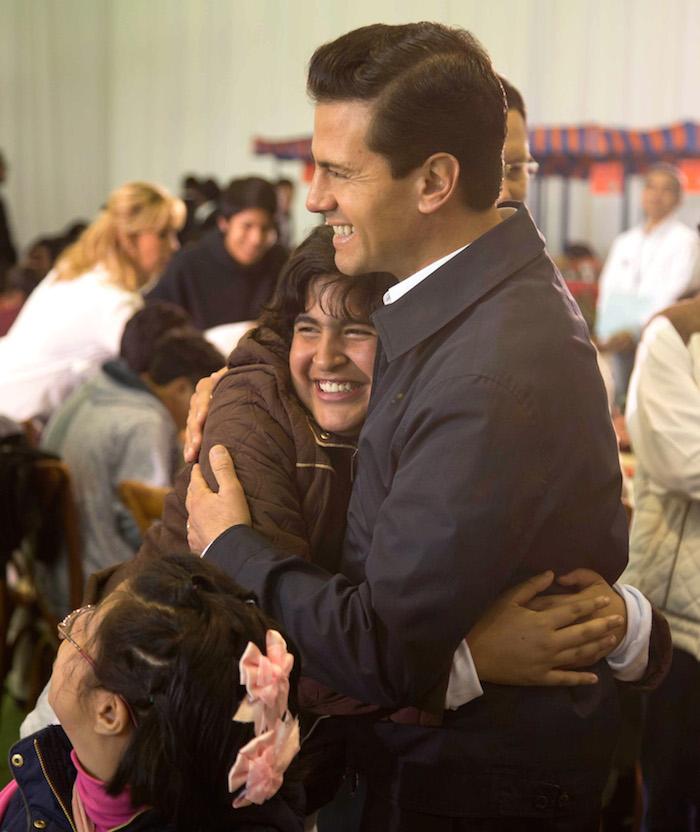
(248, 417)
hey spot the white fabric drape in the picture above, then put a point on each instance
(96, 92)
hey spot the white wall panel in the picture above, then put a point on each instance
(95, 92)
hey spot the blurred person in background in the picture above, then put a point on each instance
(663, 418)
(74, 319)
(518, 164)
(285, 199)
(123, 424)
(22, 279)
(201, 198)
(232, 271)
(649, 267)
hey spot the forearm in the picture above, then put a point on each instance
(343, 643)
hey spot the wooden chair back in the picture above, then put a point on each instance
(144, 501)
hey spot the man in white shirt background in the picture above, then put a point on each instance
(649, 267)
(663, 417)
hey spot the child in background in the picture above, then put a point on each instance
(146, 686)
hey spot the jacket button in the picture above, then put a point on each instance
(541, 801)
(40, 824)
(325, 435)
(563, 800)
(17, 760)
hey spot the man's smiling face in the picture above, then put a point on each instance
(375, 217)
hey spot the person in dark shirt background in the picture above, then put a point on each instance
(232, 271)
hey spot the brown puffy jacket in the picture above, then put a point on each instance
(296, 477)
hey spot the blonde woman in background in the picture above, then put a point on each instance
(74, 319)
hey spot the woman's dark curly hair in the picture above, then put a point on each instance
(168, 642)
(355, 298)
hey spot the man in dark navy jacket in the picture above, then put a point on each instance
(487, 454)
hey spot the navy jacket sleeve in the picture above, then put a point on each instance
(444, 544)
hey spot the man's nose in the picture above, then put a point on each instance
(319, 200)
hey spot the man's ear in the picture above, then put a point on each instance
(111, 715)
(222, 223)
(439, 182)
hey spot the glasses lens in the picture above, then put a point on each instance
(519, 170)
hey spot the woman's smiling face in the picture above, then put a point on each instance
(331, 361)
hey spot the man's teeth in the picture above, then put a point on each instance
(343, 230)
(334, 387)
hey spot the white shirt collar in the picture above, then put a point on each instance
(398, 291)
(405, 286)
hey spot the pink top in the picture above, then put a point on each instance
(93, 809)
(6, 797)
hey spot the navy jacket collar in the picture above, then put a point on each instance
(459, 284)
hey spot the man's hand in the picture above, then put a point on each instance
(514, 645)
(210, 513)
(197, 415)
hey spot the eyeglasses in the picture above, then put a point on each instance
(521, 170)
(65, 628)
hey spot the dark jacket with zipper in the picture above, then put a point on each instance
(487, 456)
(41, 765)
(45, 774)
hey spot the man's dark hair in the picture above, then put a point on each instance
(433, 90)
(184, 352)
(287, 183)
(354, 297)
(251, 192)
(145, 328)
(513, 97)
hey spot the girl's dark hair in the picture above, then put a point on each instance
(169, 642)
(354, 297)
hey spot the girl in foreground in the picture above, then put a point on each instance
(146, 686)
